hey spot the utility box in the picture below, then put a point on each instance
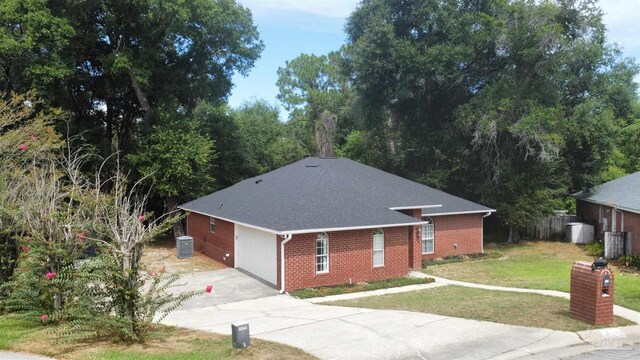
(592, 292)
(240, 335)
(184, 247)
(579, 233)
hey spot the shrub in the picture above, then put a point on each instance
(631, 260)
(114, 296)
(461, 258)
(110, 303)
(8, 257)
(595, 249)
(54, 217)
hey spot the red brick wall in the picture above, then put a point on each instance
(456, 235)
(590, 213)
(350, 258)
(214, 245)
(587, 303)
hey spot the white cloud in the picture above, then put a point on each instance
(329, 8)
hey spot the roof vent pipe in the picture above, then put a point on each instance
(286, 239)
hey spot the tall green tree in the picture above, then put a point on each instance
(176, 159)
(266, 142)
(34, 44)
(522, 99)
(114, 64)
(412, 64)
(314, 89)
(230, 165)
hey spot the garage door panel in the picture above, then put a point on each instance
(257, 252)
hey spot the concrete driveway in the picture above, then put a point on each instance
(229, 286)
(333, 332)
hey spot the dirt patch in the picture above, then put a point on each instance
(161, 256)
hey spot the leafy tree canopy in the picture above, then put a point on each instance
(523, 100)
(112, 63)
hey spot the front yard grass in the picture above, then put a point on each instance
(496, 306)
(535, 265)
(166, 343)
(357, 287)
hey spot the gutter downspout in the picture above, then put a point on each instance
(286, 239)
(482, 232)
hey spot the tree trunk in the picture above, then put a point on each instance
(142, 97)
(510, 239)
(325, 134)
(392, 134)
(57, 301)
(172, 204)
(109, 122)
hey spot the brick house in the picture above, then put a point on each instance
(613, 206)
(328, 221)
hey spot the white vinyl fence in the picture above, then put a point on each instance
(617, 244)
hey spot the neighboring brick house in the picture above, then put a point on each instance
(335, 220)
(613, 206)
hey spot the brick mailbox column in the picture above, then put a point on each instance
(591, 298)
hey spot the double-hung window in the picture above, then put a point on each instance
(212, 224)
(428, 238)
(378, 248)
(322, 253)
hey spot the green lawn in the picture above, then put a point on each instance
(166, 342)
(496, 306)
(535, 265)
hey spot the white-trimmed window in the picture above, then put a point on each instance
(378, 248)
(428, 236)
(322, 253)
(212, 224)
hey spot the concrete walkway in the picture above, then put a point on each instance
(229, 285)
(4, 355)
(609, 339)
(335, 332)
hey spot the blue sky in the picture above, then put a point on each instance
(292, 27)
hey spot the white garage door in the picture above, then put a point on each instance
(255, 252)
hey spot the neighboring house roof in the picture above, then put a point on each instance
(323, 194)
(623, 193)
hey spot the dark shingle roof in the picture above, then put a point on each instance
(326, 193)
(624, 193)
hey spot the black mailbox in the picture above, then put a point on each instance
(599, 264)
